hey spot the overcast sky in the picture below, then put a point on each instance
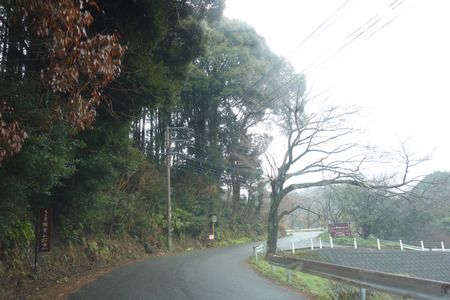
(394, 62)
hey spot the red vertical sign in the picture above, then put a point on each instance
(45, 229)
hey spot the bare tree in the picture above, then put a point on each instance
(329, 206)
(300, 208)
(321, 150)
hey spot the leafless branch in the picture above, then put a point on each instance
(288, 212)
(273, 166)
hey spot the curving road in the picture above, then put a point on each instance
(213, 274)
(301, 240)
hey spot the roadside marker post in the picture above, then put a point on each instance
(258, 249)
(362, 294)
(213, 221)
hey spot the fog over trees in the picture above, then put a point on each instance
(89, 89)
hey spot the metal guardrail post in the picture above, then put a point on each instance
(320, 243)
(362, 293)
(289, 276)
(293, 247)
(416, 288)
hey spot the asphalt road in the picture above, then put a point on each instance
(301, 240)
(213, 274)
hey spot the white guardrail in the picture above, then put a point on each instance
(312, 229)
(427, 246)
(260, 249)
(385, 282)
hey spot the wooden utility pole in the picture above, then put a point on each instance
(169, 200)
(169, 188)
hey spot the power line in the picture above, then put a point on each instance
(323, 25)
(349, 40)
(330, 20)
(218, 168)
(364, 31)
(281, 90)
(201, 171)
(315, 67)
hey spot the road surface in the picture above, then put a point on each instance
(213, 274)
(301, 240)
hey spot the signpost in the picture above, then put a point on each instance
(45, 229)
(339, 229)
(43, 236)
(213, 220)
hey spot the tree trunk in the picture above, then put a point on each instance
(236, 193)
(250, 201)
(365, 231)
(151, 138)
(142, 141)
(275, 199)
(260, 203)
(272, 229)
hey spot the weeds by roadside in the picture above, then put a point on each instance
(311, 286)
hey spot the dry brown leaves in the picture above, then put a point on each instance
(78, 66)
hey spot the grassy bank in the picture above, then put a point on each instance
(313, 287)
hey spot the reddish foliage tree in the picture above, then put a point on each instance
(74, 67)
(11, 134)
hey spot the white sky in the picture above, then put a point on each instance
(398, 76)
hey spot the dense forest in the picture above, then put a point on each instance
(88, 92)
(97, 96)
